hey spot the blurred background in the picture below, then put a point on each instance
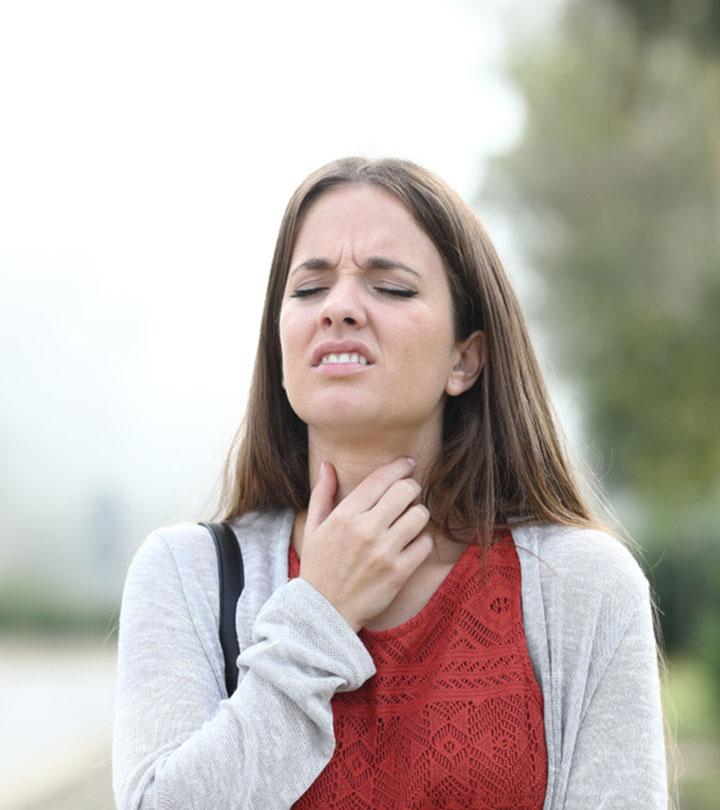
(147, 151)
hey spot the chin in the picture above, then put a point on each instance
(337, 421)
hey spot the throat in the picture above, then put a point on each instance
(445, 552)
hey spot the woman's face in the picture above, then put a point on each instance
(363, 271)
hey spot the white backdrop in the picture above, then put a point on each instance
(147, 151)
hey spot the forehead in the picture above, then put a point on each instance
(362, 220)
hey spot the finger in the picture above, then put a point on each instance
(322, 497)
(369, 491)
(408, 526)
(417, 550)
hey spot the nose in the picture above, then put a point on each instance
(342, 304)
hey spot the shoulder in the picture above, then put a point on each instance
(186, 551)
(586, 553)
(173, 545)
(582, 561)
(192, 542)
(171, 563)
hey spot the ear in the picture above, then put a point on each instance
(469, 359)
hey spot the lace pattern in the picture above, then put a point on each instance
(453, 718)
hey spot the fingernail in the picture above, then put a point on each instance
(322, 467)
(411, 461)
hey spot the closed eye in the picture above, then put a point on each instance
(385, 290)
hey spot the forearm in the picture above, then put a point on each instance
(179, 742)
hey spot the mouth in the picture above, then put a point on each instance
(342, 352)
(343, 360)
(341, 368)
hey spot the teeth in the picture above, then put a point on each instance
(344, 358)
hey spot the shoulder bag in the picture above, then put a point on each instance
(231, 581)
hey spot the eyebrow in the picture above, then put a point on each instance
(372, 263)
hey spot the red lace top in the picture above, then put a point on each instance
(453, 717)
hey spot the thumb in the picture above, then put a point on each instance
(322, 498)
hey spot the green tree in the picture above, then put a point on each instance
(614, 199)
(697, 24)
(696, 21)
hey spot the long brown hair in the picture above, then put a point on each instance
(501, 460)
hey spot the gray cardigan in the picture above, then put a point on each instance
(180, 743)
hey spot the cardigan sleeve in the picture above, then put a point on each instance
(179, 741)
(619, 757)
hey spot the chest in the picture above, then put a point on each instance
(415, 593)
(412, 597)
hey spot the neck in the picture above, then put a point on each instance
(354, 459)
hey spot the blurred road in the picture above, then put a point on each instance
(56, 704)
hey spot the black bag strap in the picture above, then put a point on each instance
(231, 580)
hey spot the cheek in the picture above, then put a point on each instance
(428, 337)
(286, 330)
(419, 370)
(292, 322)
(292, 329)
(429, 348)
(285, 344)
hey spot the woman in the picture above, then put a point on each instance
(432, 616)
